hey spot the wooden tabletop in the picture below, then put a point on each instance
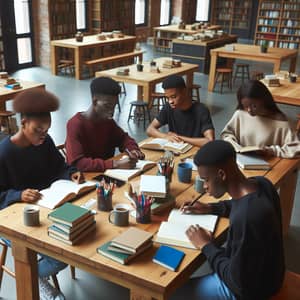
(187, 30)
(211, 42)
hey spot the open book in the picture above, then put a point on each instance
(164, 144)
(127, 174)
(244, 149)
(251, 162)
(61, 191)
(173, 231)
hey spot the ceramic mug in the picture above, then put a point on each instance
(119, 215)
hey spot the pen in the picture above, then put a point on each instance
(128, 153)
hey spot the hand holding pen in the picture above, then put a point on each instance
(195, 207)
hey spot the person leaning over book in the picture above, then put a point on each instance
(93, 135)
(251, 264)
(258, 121)
(188, 121)
(29, 162)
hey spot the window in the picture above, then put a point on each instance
(141, 12)
(81, 11)
(202, 10)
(165, 9)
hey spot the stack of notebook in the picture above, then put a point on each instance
(127, 245)
(71, 223)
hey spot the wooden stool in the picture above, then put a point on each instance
(65, 65)
(290, 288)
(123, 88)
(195, 92)
(6, 120)
(158, 100)
(226, 76)
(241, 71)
(140, 113)
(257, 75)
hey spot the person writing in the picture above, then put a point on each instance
(30, 162)
(188, 121)
(251, 264)
(93, 135)
(259, 122)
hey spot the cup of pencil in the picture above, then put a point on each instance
(104, 195)
(165, 168)
(143, 208)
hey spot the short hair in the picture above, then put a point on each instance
(36, 102)
(173, 81)
(214, 153)
(105, 86)
(254, 89)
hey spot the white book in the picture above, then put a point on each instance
(154, 186)
(61, 191)
(251, 162)
(173, 231)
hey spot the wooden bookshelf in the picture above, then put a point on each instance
(278, 23)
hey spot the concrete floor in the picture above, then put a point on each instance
(74, 96)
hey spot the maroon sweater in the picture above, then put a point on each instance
(90, 144)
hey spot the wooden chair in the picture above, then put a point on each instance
(225, 75)
(158, 100)
(290, 289)
(5, 269)
(6, 120)
(141, 112)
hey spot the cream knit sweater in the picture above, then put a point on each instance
(278, 136)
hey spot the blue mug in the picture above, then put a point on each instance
(184, 172)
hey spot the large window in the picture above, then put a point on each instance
(165, 10)
(81, 11)
(141, 12)
(202, 10)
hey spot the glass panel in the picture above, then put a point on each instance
(24, 50)
(139, 12)
(202, 10)
(22, 16)
(165, 12)
(81, 14)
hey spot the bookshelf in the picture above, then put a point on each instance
(233, 15)
(278, 23)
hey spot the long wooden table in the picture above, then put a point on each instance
(88, 42)
(142, 277)
(147, 80)
(251, 52)
(7, 94)
(287, 93)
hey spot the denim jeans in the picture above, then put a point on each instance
(47, 266)
(208, 287)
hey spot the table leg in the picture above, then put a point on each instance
(276, 67)
(189, 79)
(26, 272)
(54, 60)
(140, 92)
(287, 196)
(77, 55)
(212, 71)
(139, 295)
(293, 63)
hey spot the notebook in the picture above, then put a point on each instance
(154, 186)
(164, 144)
(168, 257)
(173, 231)
(251, 162)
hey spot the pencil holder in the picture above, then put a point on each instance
(143, 214)
(104, 203)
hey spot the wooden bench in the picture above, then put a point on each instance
(110, 59)
(290, 289)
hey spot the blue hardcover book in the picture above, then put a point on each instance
(168, 257)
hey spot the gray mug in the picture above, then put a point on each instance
(199, 185)
(31, 215)
(120, 215)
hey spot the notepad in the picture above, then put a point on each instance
(251, 162)
(173, 231)
(154, 186)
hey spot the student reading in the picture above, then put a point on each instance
(29, 162)
(188, 121)
(93, 135)
(259, 122)
(251, 264)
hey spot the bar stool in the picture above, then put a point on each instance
(257, 75)
(241, 71)
(65, 66)
(6, 120)
(123, 88)
(195, 92)
(226, 76)
(140, 113)
(158, 100)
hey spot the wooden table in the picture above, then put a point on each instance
(287, 93)
(145, 279)
(147, 80)
(8, 94)
(251, 52)
(88, 42)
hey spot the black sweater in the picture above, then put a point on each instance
(252, 263)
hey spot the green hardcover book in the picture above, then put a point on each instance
(119, 257)
(69, 214)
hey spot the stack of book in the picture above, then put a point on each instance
(71, 223)
(127, 245)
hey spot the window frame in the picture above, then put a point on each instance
(170, 14)
(208, 11)
(86, 16)
(145, 15)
